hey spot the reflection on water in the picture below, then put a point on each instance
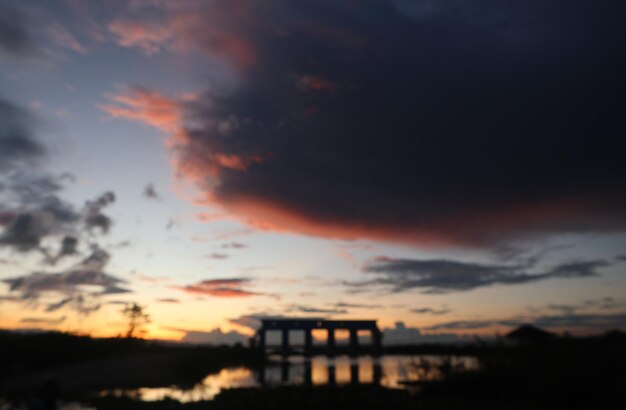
(388, 371)
(208, 388)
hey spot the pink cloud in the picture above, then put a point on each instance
(224, 288)
(63, 38)
(145, 106)
(214, 28)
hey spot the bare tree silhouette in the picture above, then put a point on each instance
(136, 318)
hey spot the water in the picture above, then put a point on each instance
(398, 372)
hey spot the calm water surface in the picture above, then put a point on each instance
(399, 372)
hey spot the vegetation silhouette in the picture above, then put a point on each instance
(559, 372)
(136, 318)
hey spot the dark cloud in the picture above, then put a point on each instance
(58, 305)
(150, 192)
(458, 121)
(95, 218)
(69, 247)
(234, 245)
(400, 334)
(603, 304)
(17, 143)
(444, 275)
(217, 255)
(311, 309)
(586, 316)
(431, 311)
(24, 233)
(168, 300)
(15, 34)
(35, 217)
(70, 283)
(80, 303)
(171, 223)
(358, 305)
(118, 302)
(476, 324)
(581, 322)
(32, 211)
(43, 321)
(587, 321)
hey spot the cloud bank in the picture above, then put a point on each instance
(451, 122)
(445, 275)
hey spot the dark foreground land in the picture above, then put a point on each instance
(567, 373)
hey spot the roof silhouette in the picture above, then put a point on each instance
(529, 333)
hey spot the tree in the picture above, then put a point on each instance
(136, 318)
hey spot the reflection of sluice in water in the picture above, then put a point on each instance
(388, 371)
(321, 371)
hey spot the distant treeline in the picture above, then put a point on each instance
(30, 351)
(23, 352)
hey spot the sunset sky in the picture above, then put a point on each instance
(455, 165)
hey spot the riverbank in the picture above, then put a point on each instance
(560, 373)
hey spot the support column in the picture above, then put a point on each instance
(284, 371)
(377, 339)
(331, 341)
(284, 349)
(261, 375)
(308, 373)
(354, 341)
(378, 372)
(332, 379)
(354, 373)
(262, 340)
(308, 342)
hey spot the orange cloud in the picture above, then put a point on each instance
(274, 217)
(167, 114)
(214, 28)
(457, 230)
(145, 106)
(148, 37)
(223, 288)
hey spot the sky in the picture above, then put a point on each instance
(449, 168)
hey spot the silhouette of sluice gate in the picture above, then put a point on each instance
(285, 326)
(331, 376)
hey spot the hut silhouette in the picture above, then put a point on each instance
(529, 334)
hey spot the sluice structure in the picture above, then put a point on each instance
(285, 326)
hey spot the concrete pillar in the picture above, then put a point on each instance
(261, 375)
(308, 342)
(354, 341)
(354, 373)
(332, 379)
(284, 349)
(262, 340)
(308, 373)
(377, 339)
(284, 371)
(331, 339)
(378, 373)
